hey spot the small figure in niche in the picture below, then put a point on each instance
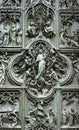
(48, 30)
(32, 29)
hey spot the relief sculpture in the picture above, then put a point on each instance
(69, 33)
(39, 64)
(39, 117)
(10, 30)
(9, 109)
(69, 4)
(40, 69)
(70, 113)
(40, 21)
(46, 2)
(12, 36)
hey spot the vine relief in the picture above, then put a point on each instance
(10, 30)
(40, 69)
(9, 109)
(69, 34)
(38, 116)
(40, 21)
(69, 4)
(70, 112)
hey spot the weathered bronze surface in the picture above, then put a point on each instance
(39, 64)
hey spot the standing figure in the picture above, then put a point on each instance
(13, 33)
(41, 64)
(65, 117)
(19, 37)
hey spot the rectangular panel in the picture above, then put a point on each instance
(10, 109)
(70, 110)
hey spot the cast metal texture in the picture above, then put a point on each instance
(39, 64)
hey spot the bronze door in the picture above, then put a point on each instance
(39, 64)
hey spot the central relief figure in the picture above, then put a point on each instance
(41, 68)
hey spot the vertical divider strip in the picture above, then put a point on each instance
(23, 109)
(58, 109)
(23, 22)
